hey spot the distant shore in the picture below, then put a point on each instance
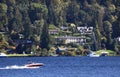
(30, 55)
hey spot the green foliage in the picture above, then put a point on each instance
(45, 39)
(74, 45)
(3, 8)
(38, 11)
(44, 52)
(3, 43)
(107, 27)
(52, 26)
(80, 50)
(39, 7)
(30, 17)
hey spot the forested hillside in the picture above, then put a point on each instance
(31, 18)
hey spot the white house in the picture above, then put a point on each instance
(85, 30)
(71, 39)
(118, 39)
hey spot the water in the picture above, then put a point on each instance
(61, 67)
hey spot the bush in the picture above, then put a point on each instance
(44, 52)
(70, 53)
(80, 50)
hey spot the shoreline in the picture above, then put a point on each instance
(30, 55)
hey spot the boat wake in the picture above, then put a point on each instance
(18, 67)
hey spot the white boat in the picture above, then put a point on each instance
(93, 55)
(3, 55)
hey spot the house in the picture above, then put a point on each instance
(70, 39)
(53, 32)
(85, 30)
(118, 40)
(64, 28)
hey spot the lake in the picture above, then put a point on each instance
(62, 67)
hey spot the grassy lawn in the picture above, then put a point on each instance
(109, 52)
(19, 55)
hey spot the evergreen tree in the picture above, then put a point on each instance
(44, 41)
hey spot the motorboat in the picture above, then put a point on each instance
(93, 55)
(3, 55)
(34, 65)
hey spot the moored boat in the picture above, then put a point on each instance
(3, 55)
(93, 55)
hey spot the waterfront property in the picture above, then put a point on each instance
(70, 39)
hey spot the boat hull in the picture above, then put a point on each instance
(34, 65)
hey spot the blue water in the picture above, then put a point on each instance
(63, 67)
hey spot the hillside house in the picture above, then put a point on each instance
(70, 39)
(53, 32)
(85, 30)
(64, 28)
(118, 40)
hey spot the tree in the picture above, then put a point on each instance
(28, 29)
(108, 31)
(3, 42)
(116, 25)
(98, 38)
(44, 40)
(84, 17)
(72, 12)
(57, 12)
(37, 29)
(37, 11)
(3, 16)
(16, 23)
